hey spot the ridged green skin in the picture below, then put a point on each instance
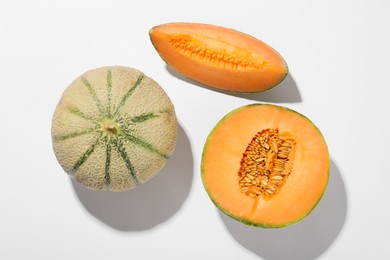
(114, 128)
(231, 214)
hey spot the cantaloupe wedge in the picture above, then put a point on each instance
(219, 57)
(265, 165)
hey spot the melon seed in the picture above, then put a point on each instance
(266, 163)
(277, 177)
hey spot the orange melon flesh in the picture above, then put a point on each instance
(302, 189)
(219, 57)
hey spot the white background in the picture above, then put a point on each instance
(338, 52)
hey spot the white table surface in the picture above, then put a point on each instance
(338, 52)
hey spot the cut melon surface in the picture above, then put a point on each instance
(265, 165)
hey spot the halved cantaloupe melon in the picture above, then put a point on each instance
(265, 165)
(219, 57)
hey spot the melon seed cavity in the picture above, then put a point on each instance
(266, 163)
(216, 52)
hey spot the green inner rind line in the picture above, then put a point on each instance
(126, 159)
(137, 141)
(93, 94)
(74, 134)
(129, 93)
(143, 117)
(77, 112)
(85, 156)
(107, 176)
(109, 91)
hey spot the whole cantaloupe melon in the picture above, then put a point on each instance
(113, 129)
